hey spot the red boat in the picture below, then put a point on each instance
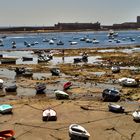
(67, 85)
(7, 135)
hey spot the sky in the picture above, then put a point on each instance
(50, 12)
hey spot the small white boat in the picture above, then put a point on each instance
(88, 40)
(61, 94)
(1, 83)
(5, 108)
(77, 132)
(49, 115)
(136, 115)
(73, 43)
(115, 108)
(95, 41)
(129, 82)
(51, 42)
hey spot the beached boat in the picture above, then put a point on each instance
(61, 94)
(55, 71)
(8, 60)
(129, 82)
(1, 83)
(27, 73)
(49, 115)
(20, 71)
(7, 135)
(67, 85)
(115, 69)
(111, 95)
(5, 108)
(11, 88)
(40, 87)
(115, 108)
(136, 116)
(77, 132)
(27, 58)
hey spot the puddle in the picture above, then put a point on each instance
(98, 73)
(70, 59)
(8, 74)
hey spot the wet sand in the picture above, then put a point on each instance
(26, 119)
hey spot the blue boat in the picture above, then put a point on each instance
(5, 108)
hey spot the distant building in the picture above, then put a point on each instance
(77, 26)
(138, 19)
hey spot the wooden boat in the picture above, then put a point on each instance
(11, 88)
(1, 83)
(115, 108)
(115, 69)
(40, 87)
(136, 116)
(77, 132)
(5, 108)
(67, 85)
(7, 135)
(61, 94)
(49, 115)
(55, 71)
(112, 95)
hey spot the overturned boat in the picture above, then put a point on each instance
(61, 94)
(115, 108)
(77, 132)
(49, 115)
(7, 135)
(5, 108)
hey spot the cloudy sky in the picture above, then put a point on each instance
(49, 12)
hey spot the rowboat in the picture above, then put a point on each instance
(115, 108)
(5, 108)
(67, 85)
(77, 132)
(49, 115)
(55, 71)
(61, 94)
(115, 69)
(7, 135)
(136, 116)
(40, 87)
(11, 88)
(112, 95)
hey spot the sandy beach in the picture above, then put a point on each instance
(85, 106)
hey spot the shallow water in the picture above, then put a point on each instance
(66, 37)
